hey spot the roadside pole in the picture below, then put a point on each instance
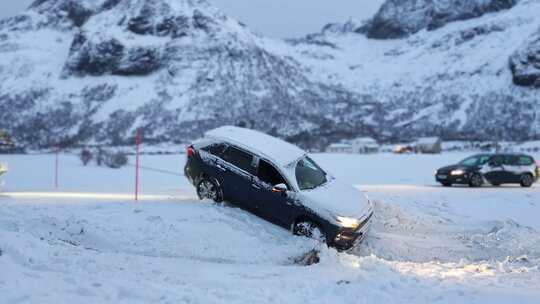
(137, 148)
(56, 162)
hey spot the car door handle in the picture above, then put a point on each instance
(255, 186)
(221, 168)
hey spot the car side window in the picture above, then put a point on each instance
(216, 149)
(496, 160)
(525, 161)
(483, 160)
(239, 158)
(270, 175)
(511, 160)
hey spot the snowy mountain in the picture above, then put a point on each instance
(472, 78)
(400, 18)
(92, 71)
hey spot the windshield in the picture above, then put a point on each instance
(475, 160)
(308, 174)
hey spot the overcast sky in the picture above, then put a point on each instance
(275, 18)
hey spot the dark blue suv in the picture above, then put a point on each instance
(279, 182)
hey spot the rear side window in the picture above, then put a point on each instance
(215, 149)
(510, 160)
(525, 160)
(497, 160)
(268, 174)
(239, 158)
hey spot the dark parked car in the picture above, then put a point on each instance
(279, 182)
(496, 169)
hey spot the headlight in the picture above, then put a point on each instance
(457, 172)
(348, 222)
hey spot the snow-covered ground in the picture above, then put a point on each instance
(89, 242)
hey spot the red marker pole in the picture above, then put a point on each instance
(137, 147)
(57, 151)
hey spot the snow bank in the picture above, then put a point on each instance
(427, 244)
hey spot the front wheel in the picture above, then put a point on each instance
(445, 184)
(476, 180)
(309, 230)
(526, 180)
(208, 189)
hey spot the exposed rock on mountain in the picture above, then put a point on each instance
(400, 18)
(100, 55)
(525, 63)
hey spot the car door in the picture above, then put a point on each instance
(512, 170)
(494, 170)
(277, 207)
(237, 170)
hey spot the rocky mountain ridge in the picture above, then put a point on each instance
(88, 72)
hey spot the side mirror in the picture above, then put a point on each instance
(280, 188)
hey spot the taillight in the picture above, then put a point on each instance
(190, 151)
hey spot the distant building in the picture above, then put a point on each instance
(364, 145)
(428, 145)
(340, 148)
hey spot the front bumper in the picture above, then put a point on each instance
(348, 238)
(454, 179)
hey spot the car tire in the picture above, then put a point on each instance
(310, 230)
(447, 184)
(209, 189)
(526, 180)
(476, 180)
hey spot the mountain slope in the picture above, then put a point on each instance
(81, 72)
(92, 71)
(455, 81)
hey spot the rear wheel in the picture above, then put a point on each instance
(476, 180)
(310, 230)
(526, 180)
(208, 189)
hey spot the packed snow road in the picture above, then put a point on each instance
(90, 243)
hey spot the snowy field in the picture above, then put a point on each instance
(89, 242)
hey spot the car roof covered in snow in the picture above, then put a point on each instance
(274, 149)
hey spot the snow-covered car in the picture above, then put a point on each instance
(279, 182)
(496, 169)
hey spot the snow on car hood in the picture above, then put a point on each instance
(337, 199)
